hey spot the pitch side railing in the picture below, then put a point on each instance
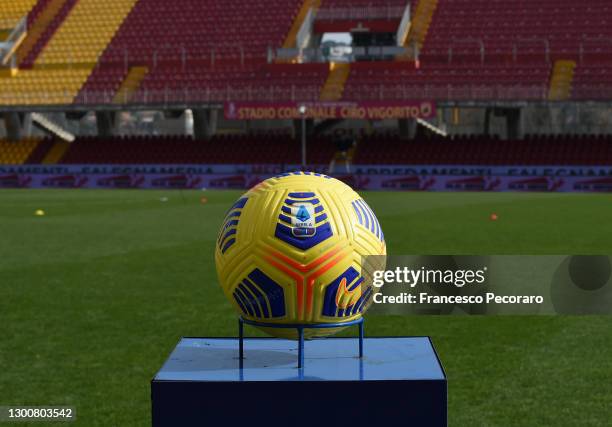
(9, 46)
(464, 51)
(279, 93)
(294, 93)
(595, 46)
(519, 46)
(467, 41)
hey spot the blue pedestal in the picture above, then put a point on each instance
(399, 381)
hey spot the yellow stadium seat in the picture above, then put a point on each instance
(11, 11)
(69, 57)
(15, 153)
(86, 32)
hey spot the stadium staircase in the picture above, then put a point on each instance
(34, 14)
(421, 21)
(561, 80)
(56, 152)
(307, 6)
(342, 160)
(40, 151)
(44, 20)
(336, 80)
(130, 85)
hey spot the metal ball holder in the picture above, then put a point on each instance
(300, 330)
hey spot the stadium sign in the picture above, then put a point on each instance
(275, 169)
(371, 110)
(358, 182)
(241, 181)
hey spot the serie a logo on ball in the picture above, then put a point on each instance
(290, 251)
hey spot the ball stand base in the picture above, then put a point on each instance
(201, 383)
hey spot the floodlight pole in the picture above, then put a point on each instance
(303, 143)
(303, 114)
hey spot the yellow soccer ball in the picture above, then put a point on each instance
(290, 252)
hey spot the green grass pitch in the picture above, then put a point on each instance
(95, 295)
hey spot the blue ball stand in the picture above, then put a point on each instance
(300, 330)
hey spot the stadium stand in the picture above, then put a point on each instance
(280, 149)
(486, 150)
(478, 50)
(383, 149)
(209, 51)
(196, 47)
(534, 31)
(16, 153)
(593, 81)
(13, 11)
(86, 32)
(401, 80)
(154, 51)
(269, 83)
(71, 40)
(42, 86)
